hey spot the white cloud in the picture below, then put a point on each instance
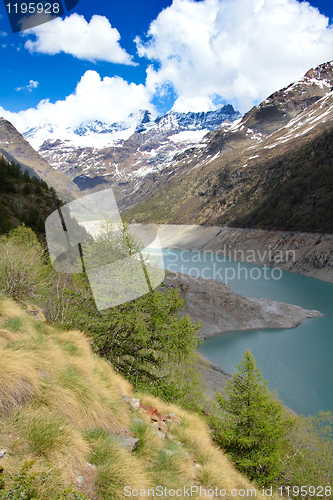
(184, 104)
(31, 85)
(108, 100)
(241, 50)
(3, 33)
(93, 41)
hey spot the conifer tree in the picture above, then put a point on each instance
(253, 426)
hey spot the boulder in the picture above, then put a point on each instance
(129, 443)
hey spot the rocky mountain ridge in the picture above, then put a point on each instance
(310, 254)
(282, 106)
(121, 155)
(269, 169)
(15, 148)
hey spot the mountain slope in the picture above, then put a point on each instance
(239, 168)
(69, 411)
(15, 148)
(298, 193)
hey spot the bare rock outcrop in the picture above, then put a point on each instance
(220, 310)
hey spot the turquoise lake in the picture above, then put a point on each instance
(298, 362)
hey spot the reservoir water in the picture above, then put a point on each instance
(298, 362)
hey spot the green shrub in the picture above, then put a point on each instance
(23, 273)
(146, 339)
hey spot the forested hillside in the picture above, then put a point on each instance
(24, 199)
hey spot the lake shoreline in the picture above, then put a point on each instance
(310, 254)
(220, 310)
(313, 258)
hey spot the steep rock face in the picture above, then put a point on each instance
(305, 253)
(122, 155)
(15, 148)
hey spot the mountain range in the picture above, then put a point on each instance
(270, 168)
(122, 155)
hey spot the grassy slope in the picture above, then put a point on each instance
(61, 406)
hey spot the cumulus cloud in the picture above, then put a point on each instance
(108, 100)
(31, 85)
(237, 50)
(93, 41)
(206, 52)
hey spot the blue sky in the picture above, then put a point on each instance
(106, 59)
(58, 75)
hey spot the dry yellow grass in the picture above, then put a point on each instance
(53, 389)
(61, 406)
(8, 336)
(9, 308)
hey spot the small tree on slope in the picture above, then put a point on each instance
(253, 426)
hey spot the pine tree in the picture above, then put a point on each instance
(253, 424)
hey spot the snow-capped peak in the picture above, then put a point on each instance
(96, 134)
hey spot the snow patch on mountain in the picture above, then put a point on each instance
(126, 154)
(189, 136)
(70, 137)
